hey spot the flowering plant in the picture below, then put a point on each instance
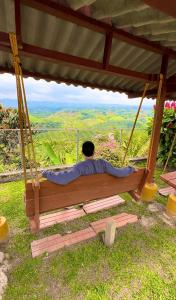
(168, 131)
(108, 148)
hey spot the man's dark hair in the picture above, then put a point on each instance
(88, 148)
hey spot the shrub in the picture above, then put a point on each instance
(109, 149)
(168, 131)
(9, 140)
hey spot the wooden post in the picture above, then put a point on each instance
(157, 123)
(110, 232)
(35, 220)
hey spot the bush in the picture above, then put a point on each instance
(9, 140)
(168, 131)
(109, 149)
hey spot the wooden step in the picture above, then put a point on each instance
(121, 220)
(48, 220)
(166, 191)
(103, 204)
(60, 217)
(57, 241)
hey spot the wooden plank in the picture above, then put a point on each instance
(82, 190)
(172, 182)
(57, 242)
(166, 191)
(121, 220)
(103, 204)
(60, 217)
(38, 244)
(166, 177)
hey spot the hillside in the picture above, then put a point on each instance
(91, 119)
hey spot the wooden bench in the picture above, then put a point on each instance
(49, 196)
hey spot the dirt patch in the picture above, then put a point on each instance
(94, 274)
(56, 290)
(156, 207)
(148, 222)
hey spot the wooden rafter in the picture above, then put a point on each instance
(18, 21)
(75, 61)
(168, 7)
(171, 89)
(75, 17)
(107, 49)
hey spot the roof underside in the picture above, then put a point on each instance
(88, 56)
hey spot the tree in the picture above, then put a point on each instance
(168, 131)
(9, 140)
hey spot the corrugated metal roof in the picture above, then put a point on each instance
(44, 30)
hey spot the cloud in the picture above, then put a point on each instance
(40, 90)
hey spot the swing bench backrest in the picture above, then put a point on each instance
(84, 189)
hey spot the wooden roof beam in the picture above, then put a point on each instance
(107, 49)
(168, 7)
(75, 61)
(60, 79)
(18, 22)
(75, 17)
(171, 89)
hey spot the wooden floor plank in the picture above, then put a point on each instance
(60, 217)
(59, 242)
(166, 191)
(121, 220)
(103, 204)
(56, 242)
(48, 220)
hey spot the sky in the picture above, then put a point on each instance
(41, 90)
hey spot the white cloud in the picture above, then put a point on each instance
(40, 90)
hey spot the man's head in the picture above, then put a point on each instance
(88, 149)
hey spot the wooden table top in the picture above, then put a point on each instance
(169, 178)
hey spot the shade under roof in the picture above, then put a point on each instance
(46, 34)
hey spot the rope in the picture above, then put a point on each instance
(24, 123)
(170, 153)
(136, 118)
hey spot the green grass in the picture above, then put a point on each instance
(141, 264)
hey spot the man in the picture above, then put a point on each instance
(88, 167)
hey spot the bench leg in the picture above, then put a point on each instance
(34, 224)
(135, 196)
(35, 220)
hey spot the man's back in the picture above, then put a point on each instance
(87, 167)
(91, 166)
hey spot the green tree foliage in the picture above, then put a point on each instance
(9, 149)
(63, 146)
(55, 148)
(168, 131)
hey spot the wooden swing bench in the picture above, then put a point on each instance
(50, 196)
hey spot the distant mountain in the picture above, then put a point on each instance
(39, 108)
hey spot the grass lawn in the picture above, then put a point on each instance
(141, 265)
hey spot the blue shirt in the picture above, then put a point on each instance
(87, 167)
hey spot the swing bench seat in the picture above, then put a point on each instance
(50, 196)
